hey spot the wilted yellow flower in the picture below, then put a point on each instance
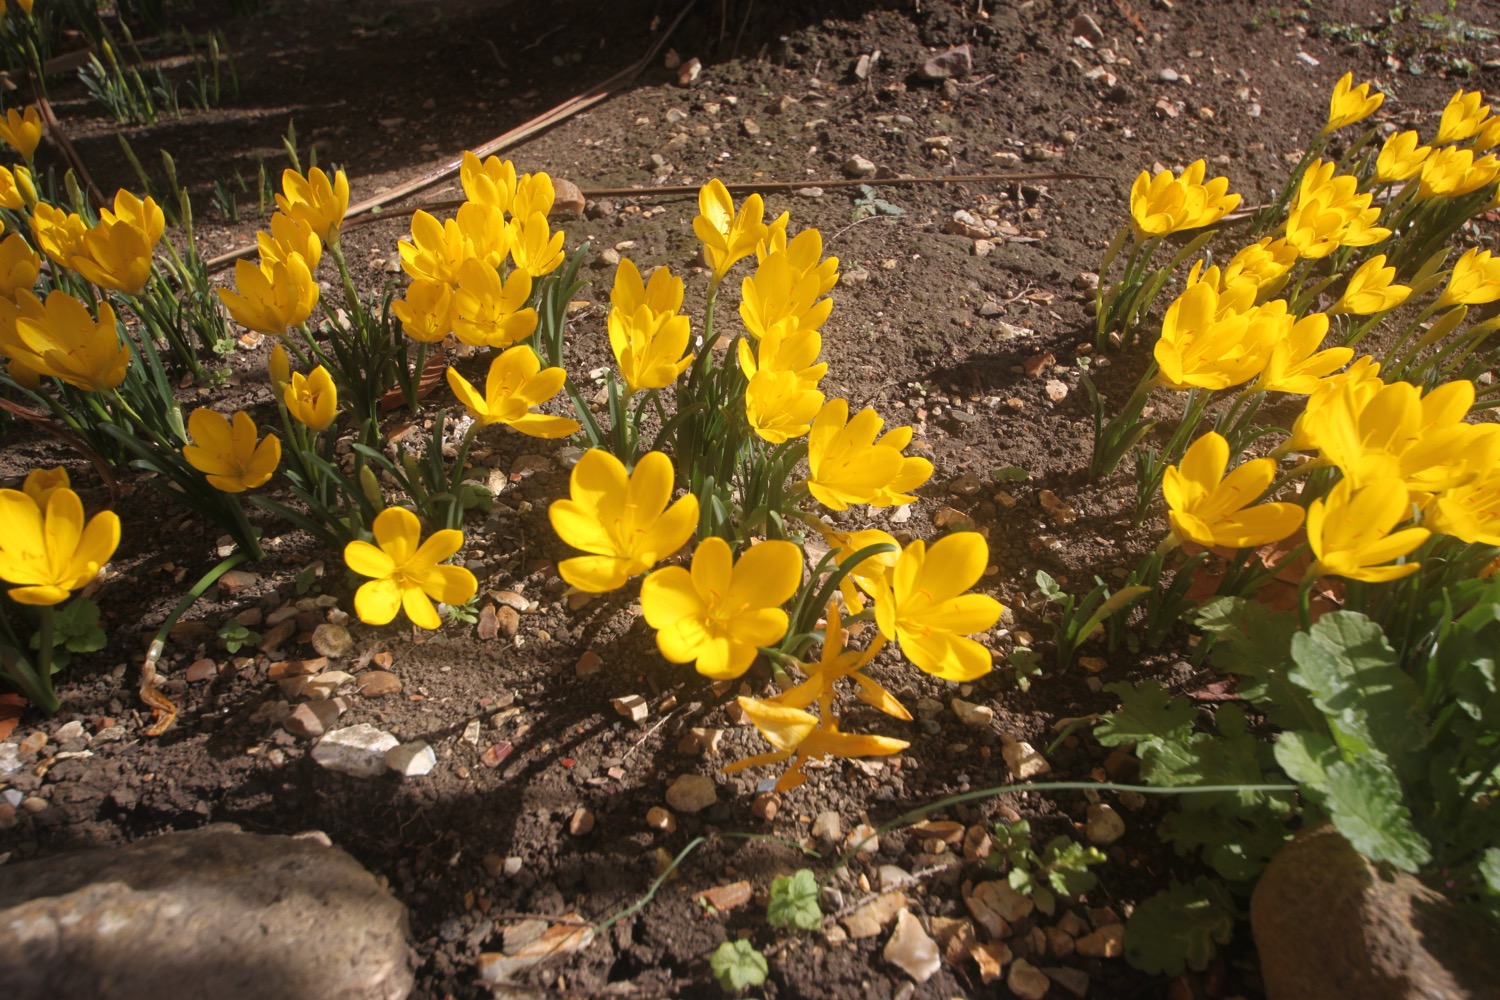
(780, 406)
(289, 236)
(19, 265)
(315, 200)
(1475, 280)
(516, 385)
(1401, 158)
(47, 551)
(802, 737)
(1452, 173)
(621, 520)
(727, 237)
(22, 131)
(534, 247)
(312, 401)
(1350, 104)
(228, 454)
(926, 610)
(1209, 508)
(425, 311)
(437, 250)
(848, 466)
(1350, 532)
(719, 614)
(491, 182)
(1329, 212)
(1463, 117)
(273, 297)
(59, 234)
(1371, 290)
(488, 312)
(407, 572)
(40, 484)
(1200, 347)
(1167, 204)
(72, 346)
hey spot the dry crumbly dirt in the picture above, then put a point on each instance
(925, 330)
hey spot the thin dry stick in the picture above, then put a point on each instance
(547, 119)
(65, 146)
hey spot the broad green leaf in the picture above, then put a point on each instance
(1350, 670)
(1146, 713)
(794, 902)
(1306, 757)
(736, 965)
(1364, 802)
(1049, 587)
(1179, 928)
(1237, 847)
(1489, 869)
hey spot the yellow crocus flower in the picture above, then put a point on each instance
(662, 293)
(315, 200)
(425, 311)
(1463, 117)
(728, 237)
(22, 131)
(1452, 173)
(780, 406)
(534, 247)
(488, 182)
(1475, 280)
(407, 572)
(313, 400)
(649, 346)
(778, 295)
(1200, 347)
(516, 385)
(1350, 532)
(488, 312)
(1294, 362)
(228, 452)
(272, 297)
(926, 610)
(1371, 290)
(116, 255)
(621, 520)
(488, 234)
(11, 196)
(1470, 513)
(289, 236)
(802, 737)
(848, 466)
(59, 234)
(1401, 158)
(72, 346)
(1208, 508)
(1350, 104)
(436, 251)
(19, 266)
(719, 614)
(1166, 204)
(22, 363)
(1329, 212)
(534, 196)
(41, 483)
(47, 550)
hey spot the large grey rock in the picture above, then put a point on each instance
(1328, 923)
(211, 913)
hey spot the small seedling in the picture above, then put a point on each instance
(237, 636)
(794, 902)
(75, 630)
(737, 965)
(1061, 869)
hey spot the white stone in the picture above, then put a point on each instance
(972, 715)
(911, 950)
(68, 731)
(411, 760)
(355, 750)
(1024, 761)
(10, 759)
(1104, 825)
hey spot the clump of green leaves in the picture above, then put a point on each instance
(75, 629)
(738, 965)
(236, 635)
(1061, 869)
(1181, 928)
(870, 204)
(1078, 619)
(794, 902)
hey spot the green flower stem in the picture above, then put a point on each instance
(49, 702)
(356, 307)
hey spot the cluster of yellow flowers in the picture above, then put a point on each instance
(719, 611)
(1403, 457)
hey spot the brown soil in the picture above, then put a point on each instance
(933, 335)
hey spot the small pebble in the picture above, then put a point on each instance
(692, 793)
